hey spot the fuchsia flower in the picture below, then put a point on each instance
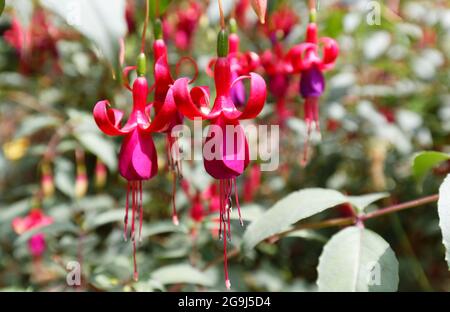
(35, 219)
(241, 12)
(40, 36)
(304, 58)
(231, 147)
(241, 64)
(281, 23)
(137, 157)
(163, 83)
(187, 20)
(277, 69)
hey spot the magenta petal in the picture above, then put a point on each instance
(36, 244)
(138, 159)
(232, 157)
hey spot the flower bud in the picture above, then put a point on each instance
(100, 174)
(222, 43)
(47, 184)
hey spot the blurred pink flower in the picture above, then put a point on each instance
(34, 220)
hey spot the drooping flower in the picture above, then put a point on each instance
(305, 59)
(225, 152)
(240, 12)
(137, 157)
(47, 184)
(100, 174)
(241, 63)
(280, 80)
(81, 180)
(163, 83)
(34, 44)
(34, 220)
(281, 22)
(186, 23)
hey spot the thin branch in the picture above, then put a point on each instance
(144, 32)
(337, 222)
(402, 206)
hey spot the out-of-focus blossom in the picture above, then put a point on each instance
(280, 23)
(47, 183)
(186, 22)
(34, 220)
(35, 44)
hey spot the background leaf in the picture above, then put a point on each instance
(444, 215)
(289, 210)
(357, 259)
(103, 22)
(425, 161)
(183, 273)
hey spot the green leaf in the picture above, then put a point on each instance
(163, 5)
(64, 176)
(111, 216)
(100, 147)
(103, 22)
(2, 6)
(444, 215)
(33, 124)
(361, 202)
(357, 259)
(289, 210)
(425, 161)
(183, 274)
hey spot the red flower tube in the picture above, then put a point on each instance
(137, 157)
(232, 147)
(304, 58)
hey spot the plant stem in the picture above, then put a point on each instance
(402, 206)
(337, 222)
(144, 32)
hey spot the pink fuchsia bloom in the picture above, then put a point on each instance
(36, 44)
(240, 12)
(163, 83)
(280, 23)
(280, 80)
(186, 23)
(242, 64)
(305, 59)
(223, 116)
(47, 183)
(137, 157)
(35, 219)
